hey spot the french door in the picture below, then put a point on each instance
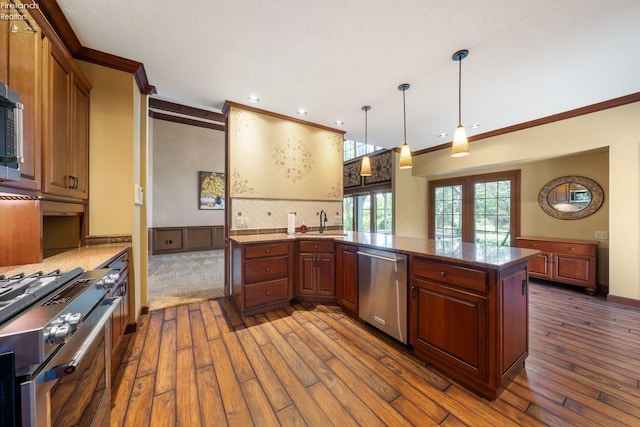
(482, 209)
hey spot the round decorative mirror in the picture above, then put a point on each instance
(571, 197)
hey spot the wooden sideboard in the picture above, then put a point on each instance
(563, 260)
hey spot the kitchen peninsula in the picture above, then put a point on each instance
(467, 304)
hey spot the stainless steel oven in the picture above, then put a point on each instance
(56, 354)
(11, 137)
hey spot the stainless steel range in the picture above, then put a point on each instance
(55, 348)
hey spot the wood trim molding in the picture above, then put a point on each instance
(61, 27)
(624, 301)
(604, 105)
(160, 104)
(228, 104)
(186, 121)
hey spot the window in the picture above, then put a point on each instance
(360, 210)
(480, 208)
(353, 149)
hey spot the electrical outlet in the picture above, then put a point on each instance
(601, 235)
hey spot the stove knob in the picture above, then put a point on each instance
(57, 334)
(107, 282)
(73, 319)
(114, 276)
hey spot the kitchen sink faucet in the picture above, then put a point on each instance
(323, 221)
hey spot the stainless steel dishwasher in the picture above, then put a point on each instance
(382, 285)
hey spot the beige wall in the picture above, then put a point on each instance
(111, 157)
(617, 129)
(410, 204)
(278, 166)
(272, 157)
(117, 158)
(179, 152)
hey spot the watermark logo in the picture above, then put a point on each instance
(11, 11)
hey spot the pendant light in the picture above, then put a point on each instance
(405, 151)
(460, 146)
(365, 166)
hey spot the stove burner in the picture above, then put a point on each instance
(20, 291)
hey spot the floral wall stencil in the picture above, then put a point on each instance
(337, 141)
(240, 186)
(277, 157)
(293, 159)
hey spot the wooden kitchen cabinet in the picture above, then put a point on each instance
(347, 277)
(470, 323)
(66, 125)
(261, 276)
(21, 70)
(316, 270)
(567, 261)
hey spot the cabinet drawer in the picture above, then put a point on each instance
(266, 250)
(315, 246)
(575, 249)
(266, 269)
(462, 277)
(265, 292)
(537, 245)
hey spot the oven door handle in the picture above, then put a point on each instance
(69, 368)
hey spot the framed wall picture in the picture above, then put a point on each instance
(212, 189)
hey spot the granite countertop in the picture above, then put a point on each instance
(88, 258)
(494, 257)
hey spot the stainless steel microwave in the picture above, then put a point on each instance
(10, 134)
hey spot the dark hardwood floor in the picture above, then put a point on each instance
(202, 364)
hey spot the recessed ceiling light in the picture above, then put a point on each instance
(474, 126)
(302, 112)
(339, 122)
(254, 99)
(442, 135)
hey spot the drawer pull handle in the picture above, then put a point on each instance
(573, 249)
(442, 274)
(268, 292)
(267, 269)
(268, 251)
(534, 245)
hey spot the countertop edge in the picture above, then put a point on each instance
(353, 238)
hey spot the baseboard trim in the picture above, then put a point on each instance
(624, 301)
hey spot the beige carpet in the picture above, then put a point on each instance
(182, 278)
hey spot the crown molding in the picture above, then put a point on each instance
(172, 107)
(604, 105)
(58, 22)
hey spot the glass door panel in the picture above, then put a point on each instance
(363, 213)
(492, 213)
(448, 213)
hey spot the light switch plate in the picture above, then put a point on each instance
(138, 194)
(601, 235)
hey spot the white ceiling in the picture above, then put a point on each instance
(528, 58)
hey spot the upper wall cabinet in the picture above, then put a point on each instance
(20, 69)
(66, 126)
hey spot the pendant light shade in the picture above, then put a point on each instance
(405, 151)
(460, 146)
(365, 165)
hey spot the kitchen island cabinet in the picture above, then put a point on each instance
(468, 304)
(262, 276)
(316, 271)
(471, 323)
(347, 277)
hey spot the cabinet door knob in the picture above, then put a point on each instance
(315, 246)
(442, 274)
(267, 269)
(268, 292)
(268, 251)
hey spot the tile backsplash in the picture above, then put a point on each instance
(263, 215)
